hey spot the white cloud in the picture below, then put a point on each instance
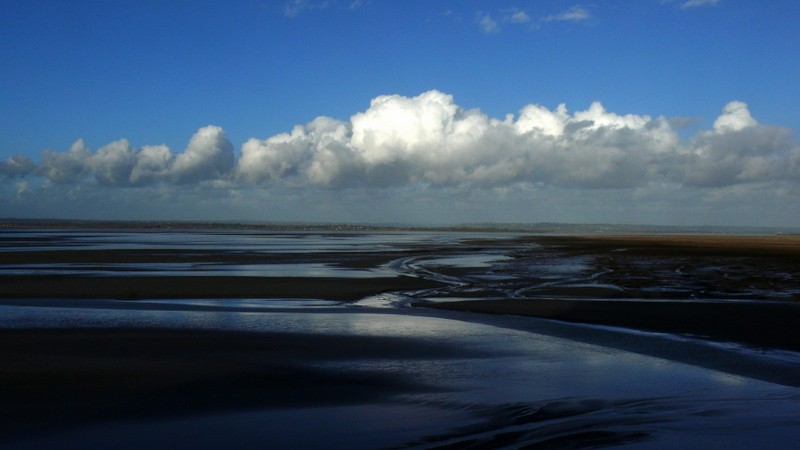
(429, 142)
(429, 139)
(487, 24)
(739, 150)
(515, 16)
(296, 8)
(574, 14)
(209, 156)
(735, 116)
(395, 126)
(696, 3)
(754, 153)
(535, 118)
(519, 17)
(112, 164)
(65, 167)
(275, 157)
(151, 164)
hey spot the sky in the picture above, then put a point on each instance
(664, 112)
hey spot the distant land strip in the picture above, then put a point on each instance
(537, 227)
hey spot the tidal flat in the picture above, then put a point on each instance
(210, 338)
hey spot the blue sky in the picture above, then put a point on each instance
(159, 73)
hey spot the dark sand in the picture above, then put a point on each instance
(778, 246)
(557, 395)
(189, 256)
(53, 378)
(184, 287)
(768, 325)
(706, 269)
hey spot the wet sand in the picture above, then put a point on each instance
(54, 378)
(177, 287)
(707, 285)
(765, 325)
(628, 262)
(442, 382)
(772, 247)
(753, 322)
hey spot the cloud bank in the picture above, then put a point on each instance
(430, 141)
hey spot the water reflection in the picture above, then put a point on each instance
(506, 382)
(298, 242)
(195, 270)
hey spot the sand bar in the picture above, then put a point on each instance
(760, 324)
(727, 265)
(172, 287)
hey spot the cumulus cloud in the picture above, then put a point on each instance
(65, 167)
(151, 164)
(113, 163)
(428, 141)
(739, 150)
(735, 116)
(209, 156)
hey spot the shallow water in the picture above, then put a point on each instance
(528, 386)
(229, 241)
(533, 387)
(309, 270)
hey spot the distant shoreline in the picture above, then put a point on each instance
(532, 228)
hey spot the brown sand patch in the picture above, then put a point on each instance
(777, 246)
